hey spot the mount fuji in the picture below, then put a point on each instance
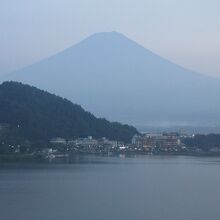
(116, 78)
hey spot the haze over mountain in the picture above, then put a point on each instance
(114, 77)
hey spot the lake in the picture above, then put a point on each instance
(112, 188)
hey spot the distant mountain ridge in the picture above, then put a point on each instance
(114, 77)
(39, 115)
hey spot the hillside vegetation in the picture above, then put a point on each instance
(38, 115)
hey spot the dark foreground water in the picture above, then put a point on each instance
(102, 188)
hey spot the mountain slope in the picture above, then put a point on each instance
(115, 77)
(41, 115)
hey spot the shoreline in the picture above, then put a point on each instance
(33, 158)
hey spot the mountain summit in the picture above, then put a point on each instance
(114, 77)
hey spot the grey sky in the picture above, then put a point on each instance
(184, 31)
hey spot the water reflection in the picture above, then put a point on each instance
(131, 188)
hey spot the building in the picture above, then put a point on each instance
(137, 141)
(89, 141)
(58, 140)
(168, 140)
(105, 142)
(149, 141)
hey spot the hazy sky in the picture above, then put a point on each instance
(184, 31)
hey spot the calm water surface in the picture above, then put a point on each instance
(112, 188)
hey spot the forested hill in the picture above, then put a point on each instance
(39, 115)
